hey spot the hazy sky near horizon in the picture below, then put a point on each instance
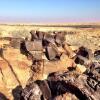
(49, 11)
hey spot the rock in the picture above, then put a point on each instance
(35, 45)
(36, 55)
(82, 60)
(40, 34)
(15, 42)
(44, 57)
(80, 68)
(74, 48)
(60, 49)
(64, 57)
(32, 92)
(68, 51)
(19, 64)
(60, 65)
(49, 38)
(85, 52)
(45, 89)
(33, 35)
(51, 52)
(97, 55)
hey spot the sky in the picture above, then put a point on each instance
(49, 11)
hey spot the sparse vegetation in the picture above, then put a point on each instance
(20, 33)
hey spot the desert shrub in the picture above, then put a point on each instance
(1, 31)
(20, 33)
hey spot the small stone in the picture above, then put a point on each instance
(80, 68)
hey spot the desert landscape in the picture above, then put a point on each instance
(47, 53)
(50, 50)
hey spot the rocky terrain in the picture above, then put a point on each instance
(57, 69)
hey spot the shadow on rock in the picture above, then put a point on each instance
(16, 92)
(3, 97)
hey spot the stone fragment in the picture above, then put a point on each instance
(81, 68)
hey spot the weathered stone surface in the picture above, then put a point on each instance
(68, 50)
(85, 52)
(34, 46)
(51, 53)
(82, 60)
(97, 55)
(13, 67)
(15, 42)
(32, 92)
(81, 68)
(49, 38)
(33, 35)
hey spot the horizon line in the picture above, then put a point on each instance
(66, 23)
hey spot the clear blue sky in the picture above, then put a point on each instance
(49, 11)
